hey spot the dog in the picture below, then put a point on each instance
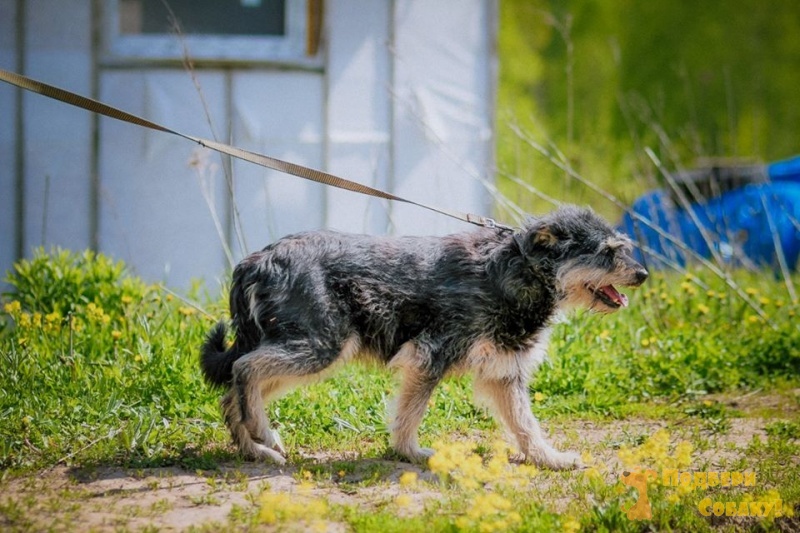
(480, 302)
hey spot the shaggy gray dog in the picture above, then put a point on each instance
(480, 302)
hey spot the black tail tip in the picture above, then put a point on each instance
(214, 357)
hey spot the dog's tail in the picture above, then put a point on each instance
(216, 360)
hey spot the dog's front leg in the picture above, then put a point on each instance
(510, 402)
(408, 410)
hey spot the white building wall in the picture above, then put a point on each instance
(278, 114)
(359, 111)
(442, 110)
(153, 213)
(402, 101)
(8, 147)
(58, 152)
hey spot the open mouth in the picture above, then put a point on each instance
(610, 296)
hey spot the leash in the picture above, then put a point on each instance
(94, 106)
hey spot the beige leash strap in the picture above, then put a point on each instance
(56, 93)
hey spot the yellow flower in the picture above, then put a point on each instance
(753, 319)
(711, 294)
(604, 335)
(408, 479)
(403, 500)
(704, 309)
(116, 334)
(126, 299)
(751, 291)
(764, 300)
(12, 307)
(538, 397)
(592, 473)
(571, 525)
(24, 320)
(187, 311)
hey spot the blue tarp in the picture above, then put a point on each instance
(742, 225)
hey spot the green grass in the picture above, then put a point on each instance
(100, 369)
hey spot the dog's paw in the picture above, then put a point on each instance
(275, 442)
(555, 460)
(417, 455)
(563, 461)
(259, 452)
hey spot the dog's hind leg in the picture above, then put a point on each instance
(510, 402)
(259, 377)
(408, 408)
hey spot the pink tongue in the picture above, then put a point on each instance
(615, 295)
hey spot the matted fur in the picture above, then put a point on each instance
(480, 302)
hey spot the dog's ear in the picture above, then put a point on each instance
(545, 236)
(537, 239)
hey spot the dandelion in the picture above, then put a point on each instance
(764, 300)
(116, 335)
(402, 500)
(750, 291)
(753, 319)
(126, 299)
(686, 286)
(704, 309)
(604, 335)
(645, 343)
(711, 294)
(187, 311)
(538, 397)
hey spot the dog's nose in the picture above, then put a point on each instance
(641, 275)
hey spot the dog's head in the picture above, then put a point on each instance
(588, 257)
